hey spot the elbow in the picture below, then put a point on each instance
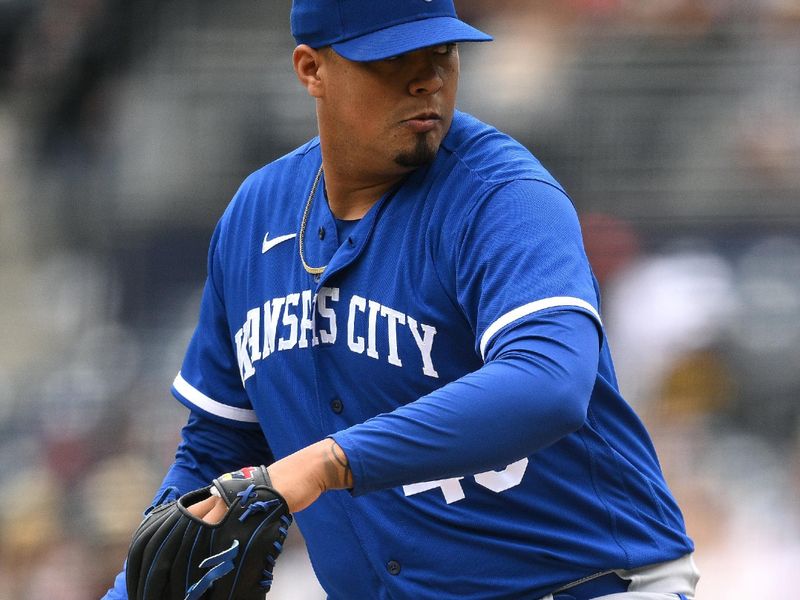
(554, 401)
(570, 402)
(575, 410)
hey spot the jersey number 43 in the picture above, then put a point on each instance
(496, 481)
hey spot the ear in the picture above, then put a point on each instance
(307, 62)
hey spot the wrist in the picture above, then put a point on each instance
(341, 473)
(301, 477)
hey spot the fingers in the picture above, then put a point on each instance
(211, 510)
(202, 508)
(217, 512)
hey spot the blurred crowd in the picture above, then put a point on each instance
(126, 127)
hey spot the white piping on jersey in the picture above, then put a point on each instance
(200, 400)
(530, 308)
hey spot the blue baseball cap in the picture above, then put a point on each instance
(364, 30)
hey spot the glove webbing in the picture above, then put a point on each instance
(220, 565)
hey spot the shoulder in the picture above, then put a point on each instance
(487, 171)
(480, 153)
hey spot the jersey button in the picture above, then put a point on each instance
(321, 233)
(393, 567)
(337, 406)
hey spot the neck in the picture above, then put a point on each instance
(350, 199)
(352, 191)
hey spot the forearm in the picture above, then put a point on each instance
(301, 477)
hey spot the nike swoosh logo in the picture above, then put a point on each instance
(269, 244)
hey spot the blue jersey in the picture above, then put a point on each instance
(424, 290)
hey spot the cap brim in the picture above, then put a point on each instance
(407, 37)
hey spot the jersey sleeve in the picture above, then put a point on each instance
(520, 253)
(535, 391)
(209, 380)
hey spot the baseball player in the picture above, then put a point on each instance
(400, 320)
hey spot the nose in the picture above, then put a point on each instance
(426, 75)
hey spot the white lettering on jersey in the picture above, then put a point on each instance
(372, 330)
(393, 317)
(326, 312)
(425, 345)
(304, 319)
(248, 346)
(355, 343)
(314, 336)
(496, 481)
(289, 320)
(306, 322)
(272, 308)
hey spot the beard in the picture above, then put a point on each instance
(423, 153)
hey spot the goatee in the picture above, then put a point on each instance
(422, 154)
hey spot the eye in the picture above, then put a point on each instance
(444, 49)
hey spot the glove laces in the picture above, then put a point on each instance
(245, 497)
(266, 574)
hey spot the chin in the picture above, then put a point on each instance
(423, 153)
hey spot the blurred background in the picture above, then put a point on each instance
(125, 127)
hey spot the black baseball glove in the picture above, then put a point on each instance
(176, 556)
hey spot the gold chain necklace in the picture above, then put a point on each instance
(310, 270)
